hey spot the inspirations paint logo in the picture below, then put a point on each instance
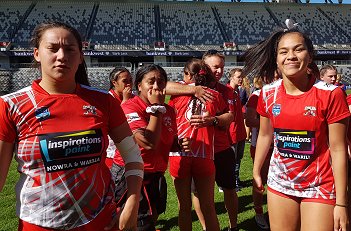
(63, 151)
(295, 144)
(42, 113)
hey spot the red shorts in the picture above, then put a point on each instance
(101, 221)
(303, 199)
(184, 166)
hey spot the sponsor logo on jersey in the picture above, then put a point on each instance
(195, 107)
(276, 109)
(42, 113)
(131, 117)
(68, 150)
(89, 109)
(167, 121)
(295, 144)
(310, 111)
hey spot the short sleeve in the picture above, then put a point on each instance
(230, 99)
(135, 116)
(337, 106)
(348, 99)
(117, 116)
(261, 106)
(7, 126)
(252, 102)
(220, 103)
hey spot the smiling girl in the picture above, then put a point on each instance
(308, 121)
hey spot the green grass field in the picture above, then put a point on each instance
(168, 220)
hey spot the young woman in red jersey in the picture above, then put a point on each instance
(307, 119)
(153, 125)
(121, 84)
(348, 99)
(58, 129)
(195, 163)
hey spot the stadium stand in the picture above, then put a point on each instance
(124, 26)
(98, 77)
(11, 13)
(256, 20)
(22, 77)
(182, 26)
(321, 29)
(75, 14)
(191, 24)
(5, 78)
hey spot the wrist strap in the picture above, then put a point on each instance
(156, 108)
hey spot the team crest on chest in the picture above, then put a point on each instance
(89, 109)
(310, 111)
(276, 109)
(167, 121)
(42, 113)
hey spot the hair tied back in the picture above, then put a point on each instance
(202, 72)
(290, 24)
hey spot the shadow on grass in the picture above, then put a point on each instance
(250, 224)
(245, 204)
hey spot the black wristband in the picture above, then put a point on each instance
(215, 121)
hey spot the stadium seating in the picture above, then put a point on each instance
(5, 78)
(181, 25)
(10, 16)
(75, 14)
(192, 24)
(345, 71)
(99, 77)
(22, 77)
(321, 30)
(246, 23)
(127, 25)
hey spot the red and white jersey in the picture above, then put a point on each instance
(61, 145)
(237, 130)
(201, 138)
(111, 148)
(222, 141)
(138, 118)
(252, 103)
(301, 162)
(115, 95)
(348, 99)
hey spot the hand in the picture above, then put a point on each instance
(204, 120)
(127, 93)
(185, 144)
(341, 221)
(257, 184)
(203, 94)
(129, 215)
(156, 96)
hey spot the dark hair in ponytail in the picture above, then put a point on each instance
(201, 73)
(81, 75)
(261, 59)
(202, 76)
